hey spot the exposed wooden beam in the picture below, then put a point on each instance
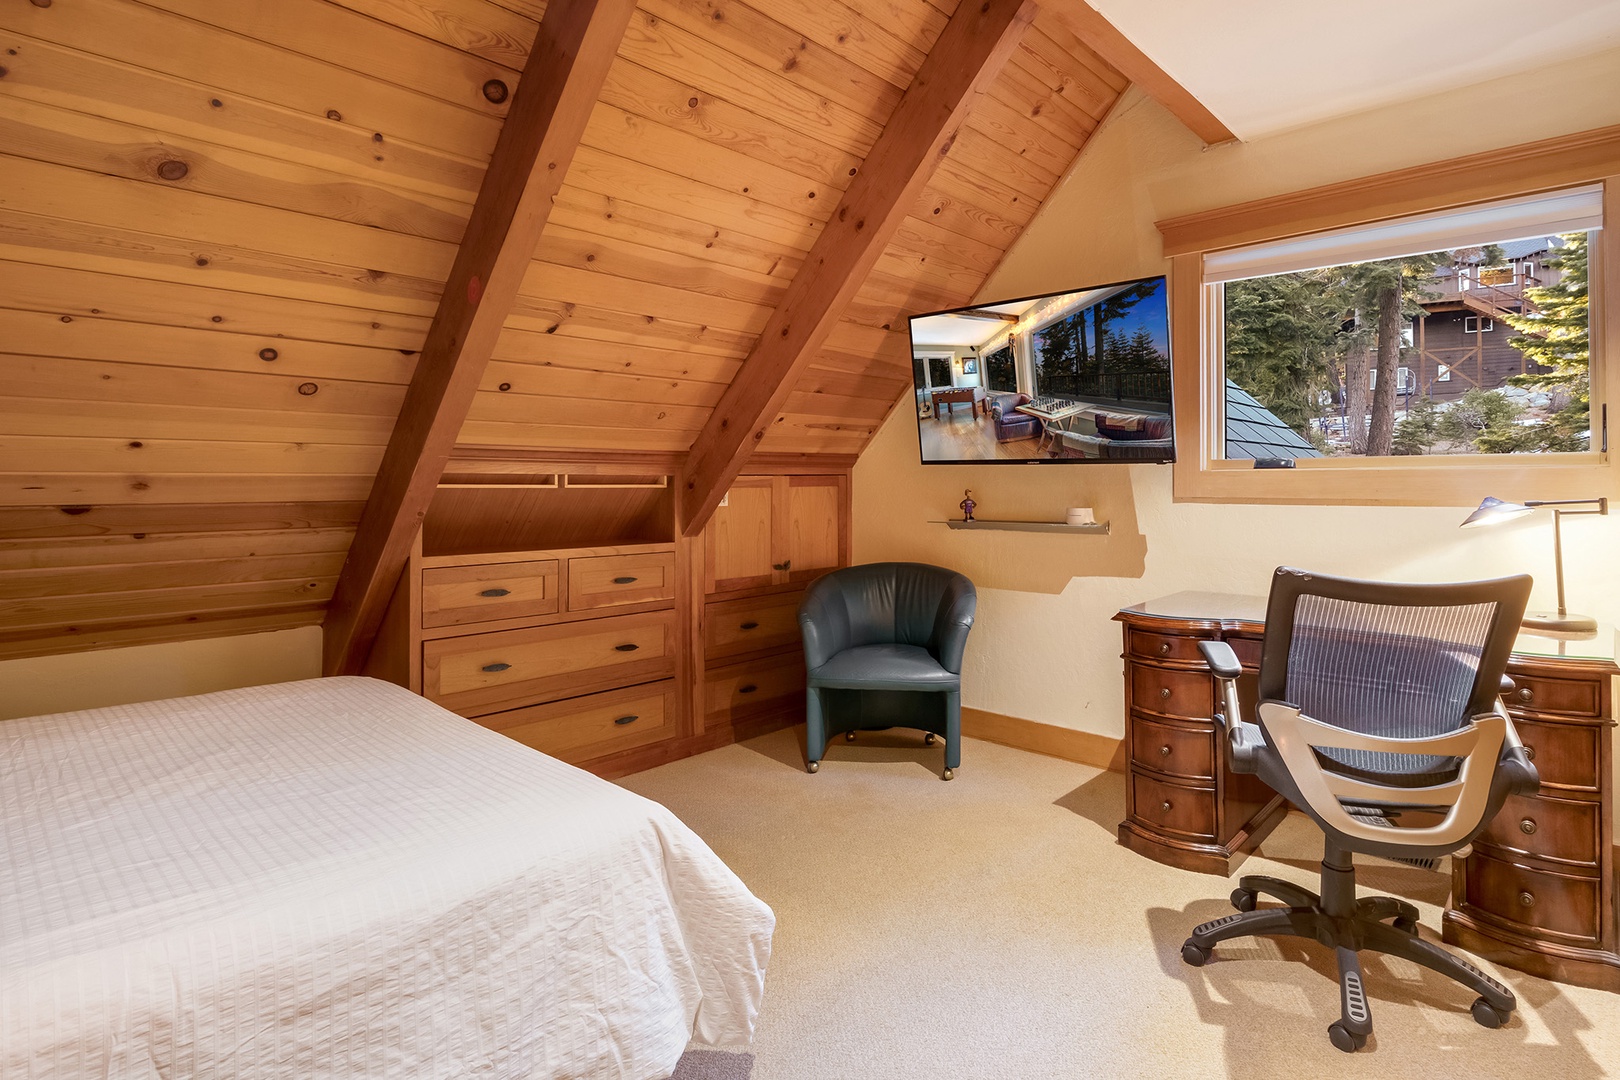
(1099, 35)
(976, 43)
(994, 316)
(562, 79)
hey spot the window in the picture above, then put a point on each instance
(1000, 371)
(1269, 294)
(939, 371)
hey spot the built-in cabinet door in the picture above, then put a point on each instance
(774, 530)
(738, 543)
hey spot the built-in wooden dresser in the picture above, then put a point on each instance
(1537, 892)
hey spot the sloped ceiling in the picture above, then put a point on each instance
(224, 228)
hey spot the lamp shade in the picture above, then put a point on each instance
(1493, 510)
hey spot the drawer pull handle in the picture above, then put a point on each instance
(624, 581)
(750, 625)
(1526, 694)
(496, 592)
(1527, 898)
(626, 647)
(632, 718)
(495, 667)
(747, 688)
(1528, 826)
(1164, 648)
(1164, 691)
(1165, 806)
(1529, 751)
(1164, 751)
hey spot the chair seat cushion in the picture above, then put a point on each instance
(885, 667)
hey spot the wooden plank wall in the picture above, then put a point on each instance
(224, 228)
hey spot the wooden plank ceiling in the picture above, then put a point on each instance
(224, 229)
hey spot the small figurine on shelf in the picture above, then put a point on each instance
(967, 505)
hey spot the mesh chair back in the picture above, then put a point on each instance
(1400, 661)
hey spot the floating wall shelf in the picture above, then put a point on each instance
(1096, 527)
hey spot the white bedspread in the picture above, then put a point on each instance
(337, 878)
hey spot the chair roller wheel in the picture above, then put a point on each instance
(814, 766)
(948, 774)
(1244, 899)
(1344, 1038)
(1488, 1015)
(1408, 926)
(928, 739)
(849, 736)
(1193, 954)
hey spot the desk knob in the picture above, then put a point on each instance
(1529, 751)
(1164, 648)
(1526, 694)
(1164, 691)
(1527, 898)
(1164, 751)
(1165, 806)
(1528, 826)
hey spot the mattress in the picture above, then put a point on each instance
(337, 878)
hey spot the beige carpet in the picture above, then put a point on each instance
(990, 927)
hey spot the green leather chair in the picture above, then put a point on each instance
(883, 648)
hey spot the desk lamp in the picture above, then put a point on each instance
(1493, 510)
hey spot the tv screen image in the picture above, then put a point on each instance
(1077, 376)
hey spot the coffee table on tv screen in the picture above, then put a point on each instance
(1055, 414)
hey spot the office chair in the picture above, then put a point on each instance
(883, 648)
(1379, 716)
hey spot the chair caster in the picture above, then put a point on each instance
(949, 774)
(849, 736)
(928, 739)
(814, 766)
(1408, 926)
(1244, 899)
(1345, 1039)
(1488, 1015)
(1194, 955)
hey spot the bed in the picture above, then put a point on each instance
(337, 878)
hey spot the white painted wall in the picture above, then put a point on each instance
(87, 680)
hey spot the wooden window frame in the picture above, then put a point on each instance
(1455, 480)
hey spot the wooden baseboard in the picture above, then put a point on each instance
(1086, 747)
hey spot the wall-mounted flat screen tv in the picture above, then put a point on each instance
(1078, 376)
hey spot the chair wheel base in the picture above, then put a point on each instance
(1194, 955)
(814, 766)
(948, 774)
(1345, 1039)
(1488, 1015)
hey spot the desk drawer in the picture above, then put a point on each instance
(1173, 808)
(595, 725)
(1179, 751)
(1565, 755)
(1565, 830)
(605, 580)
(1565, 905)
(1164, 646)
(1189, 694)
(733, 627)
(484, 673)
(1572, 697)
(453, 595)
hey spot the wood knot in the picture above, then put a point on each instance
(495, 91)
(216, 103)
(308, 389)
(3, 71)
(67, 318)
(42, 3)
(376, 136)
(74, 511)
(136, 445)
(216, 318)
(691, 103)
(268, 354)
(202, 260)
(140, 485)
(173, 169)
(504, 387)
(333, 114)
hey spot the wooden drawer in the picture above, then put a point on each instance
(1566, 755)
(754, 686)
(1566, 905)
(733, 627)
(1565, 830)
(484, 673)
(452, 595)
(1572, 697)
(1163, 646)
(595, 725)
(1173, 808)
(1179, 751)
(605, 580)
(1174, 693)
(1248, 650)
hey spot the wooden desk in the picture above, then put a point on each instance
(1537, 893)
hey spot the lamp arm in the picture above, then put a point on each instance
(1601, 505)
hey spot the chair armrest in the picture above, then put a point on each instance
(956, 610)
(1221, 659)
(823, 623)
(1518, 772)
